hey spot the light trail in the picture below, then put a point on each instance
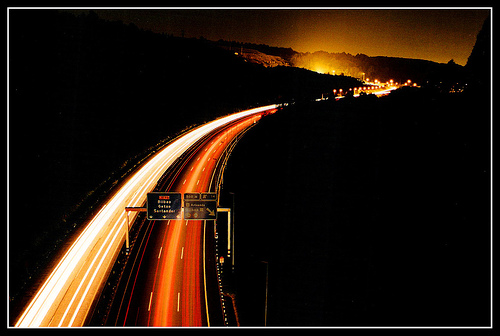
(73, 284)
(178, 280)
(385, 91)
(380, 91)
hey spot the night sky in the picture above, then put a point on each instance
(432, 34)
(407, 239)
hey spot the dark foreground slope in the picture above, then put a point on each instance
(89, 99)
(370, 211)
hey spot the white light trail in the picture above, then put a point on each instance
(57, 297)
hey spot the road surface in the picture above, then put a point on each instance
(71, 287)
(168, 284)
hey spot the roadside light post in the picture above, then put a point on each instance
(228, 211)
(267, 288)
(233, 221)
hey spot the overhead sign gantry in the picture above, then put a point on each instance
(169, 205)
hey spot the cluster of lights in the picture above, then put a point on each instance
(375, 86)
(408, 83)
(355, 89)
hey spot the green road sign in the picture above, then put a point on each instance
(203, 207)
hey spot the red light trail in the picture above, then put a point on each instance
(67, 294)
(178, 285)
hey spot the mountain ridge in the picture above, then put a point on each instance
(360, 66)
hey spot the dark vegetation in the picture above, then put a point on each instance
(286, 53)
(479, 62)
(90, 99)
(369, 211)
(383, 68)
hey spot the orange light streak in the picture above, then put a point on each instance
(71, 287)
(186, 276)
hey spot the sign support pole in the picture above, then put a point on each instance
(228, 210)
(127, 239)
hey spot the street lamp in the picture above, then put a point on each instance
(267, 287)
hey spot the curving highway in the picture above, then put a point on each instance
(168, 284)
(178, 285)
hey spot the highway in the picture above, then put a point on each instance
(173, 280)
(177, 292)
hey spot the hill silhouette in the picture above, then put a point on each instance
(368, 211)
(360, 66)
(480, 58)
(90, 99)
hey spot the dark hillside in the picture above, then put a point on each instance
(90, 98)
(382, 68)
(285, 53)
(479, 62)
(369, 211)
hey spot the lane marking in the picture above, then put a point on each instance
(159, 254)
(150, 299)
(57, 279)
(182, 252)
(178, 300)
(184, 182)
